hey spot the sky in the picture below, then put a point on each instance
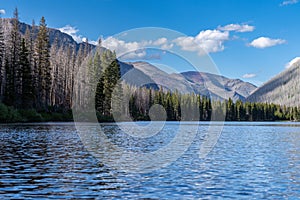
(252, 40)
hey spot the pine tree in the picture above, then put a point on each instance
(99, 96)
(111, 77)
(43, 66)
(27, 81)
(13, 88)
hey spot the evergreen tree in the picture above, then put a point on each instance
(13, 72)
(43, 66)
(99, 96)
(27, 81)
(111, 76)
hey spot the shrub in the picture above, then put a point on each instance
(13, 115)
(31, 116)
(3, 112)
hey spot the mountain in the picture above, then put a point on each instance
(63, 39)
(214, 86)
(163, 79)
(283, 89)
(136, 77)
(220, 86)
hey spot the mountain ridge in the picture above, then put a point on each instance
(282, 89)
(64, 39)
(216, 86)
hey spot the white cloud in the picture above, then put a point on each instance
(138, 54)
(167, 46)
(160, 41)
(131, 50)
(84, 39)
(163, 43)
(249, 75)
(2, 12)
(289, 2)
(93, 42)
(121, 46)
(72, 31)
(293, 62)
(208, 40)
(264, 42)
(237, 28)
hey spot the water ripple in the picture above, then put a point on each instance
(249, 162)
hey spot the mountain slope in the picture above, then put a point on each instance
(215, 86)
(221, 86)
(63, 39)
(282, 89)
(163, 79)
(136, 77)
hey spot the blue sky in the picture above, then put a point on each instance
(251, 40)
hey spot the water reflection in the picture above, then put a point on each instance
(49, 161)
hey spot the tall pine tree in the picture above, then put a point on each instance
(111, 77)
(43, 66)
(13, 73)
(27, 81)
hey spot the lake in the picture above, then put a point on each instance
(250, 160)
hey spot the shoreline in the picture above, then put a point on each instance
(33, 123)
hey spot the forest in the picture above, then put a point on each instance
(192, 107)
(36, 78)
(40, 81)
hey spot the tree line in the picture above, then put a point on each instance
(25, 67)
(194, 107)
(34, 74)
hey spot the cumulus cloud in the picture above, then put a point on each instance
(264, 42)
(121, 46)
(249, 75)
(289, 2)
(208, 40)
(237, 28)
(293, 62)
(211, 40)
(167, 46)
(138, 54)
(2, 12)
(160, 41)
(72, 31)
(135, 50)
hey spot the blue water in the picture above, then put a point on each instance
(250, 161)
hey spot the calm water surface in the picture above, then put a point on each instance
(250, 161)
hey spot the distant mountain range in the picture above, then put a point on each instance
(283, 89)
(211, 85)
